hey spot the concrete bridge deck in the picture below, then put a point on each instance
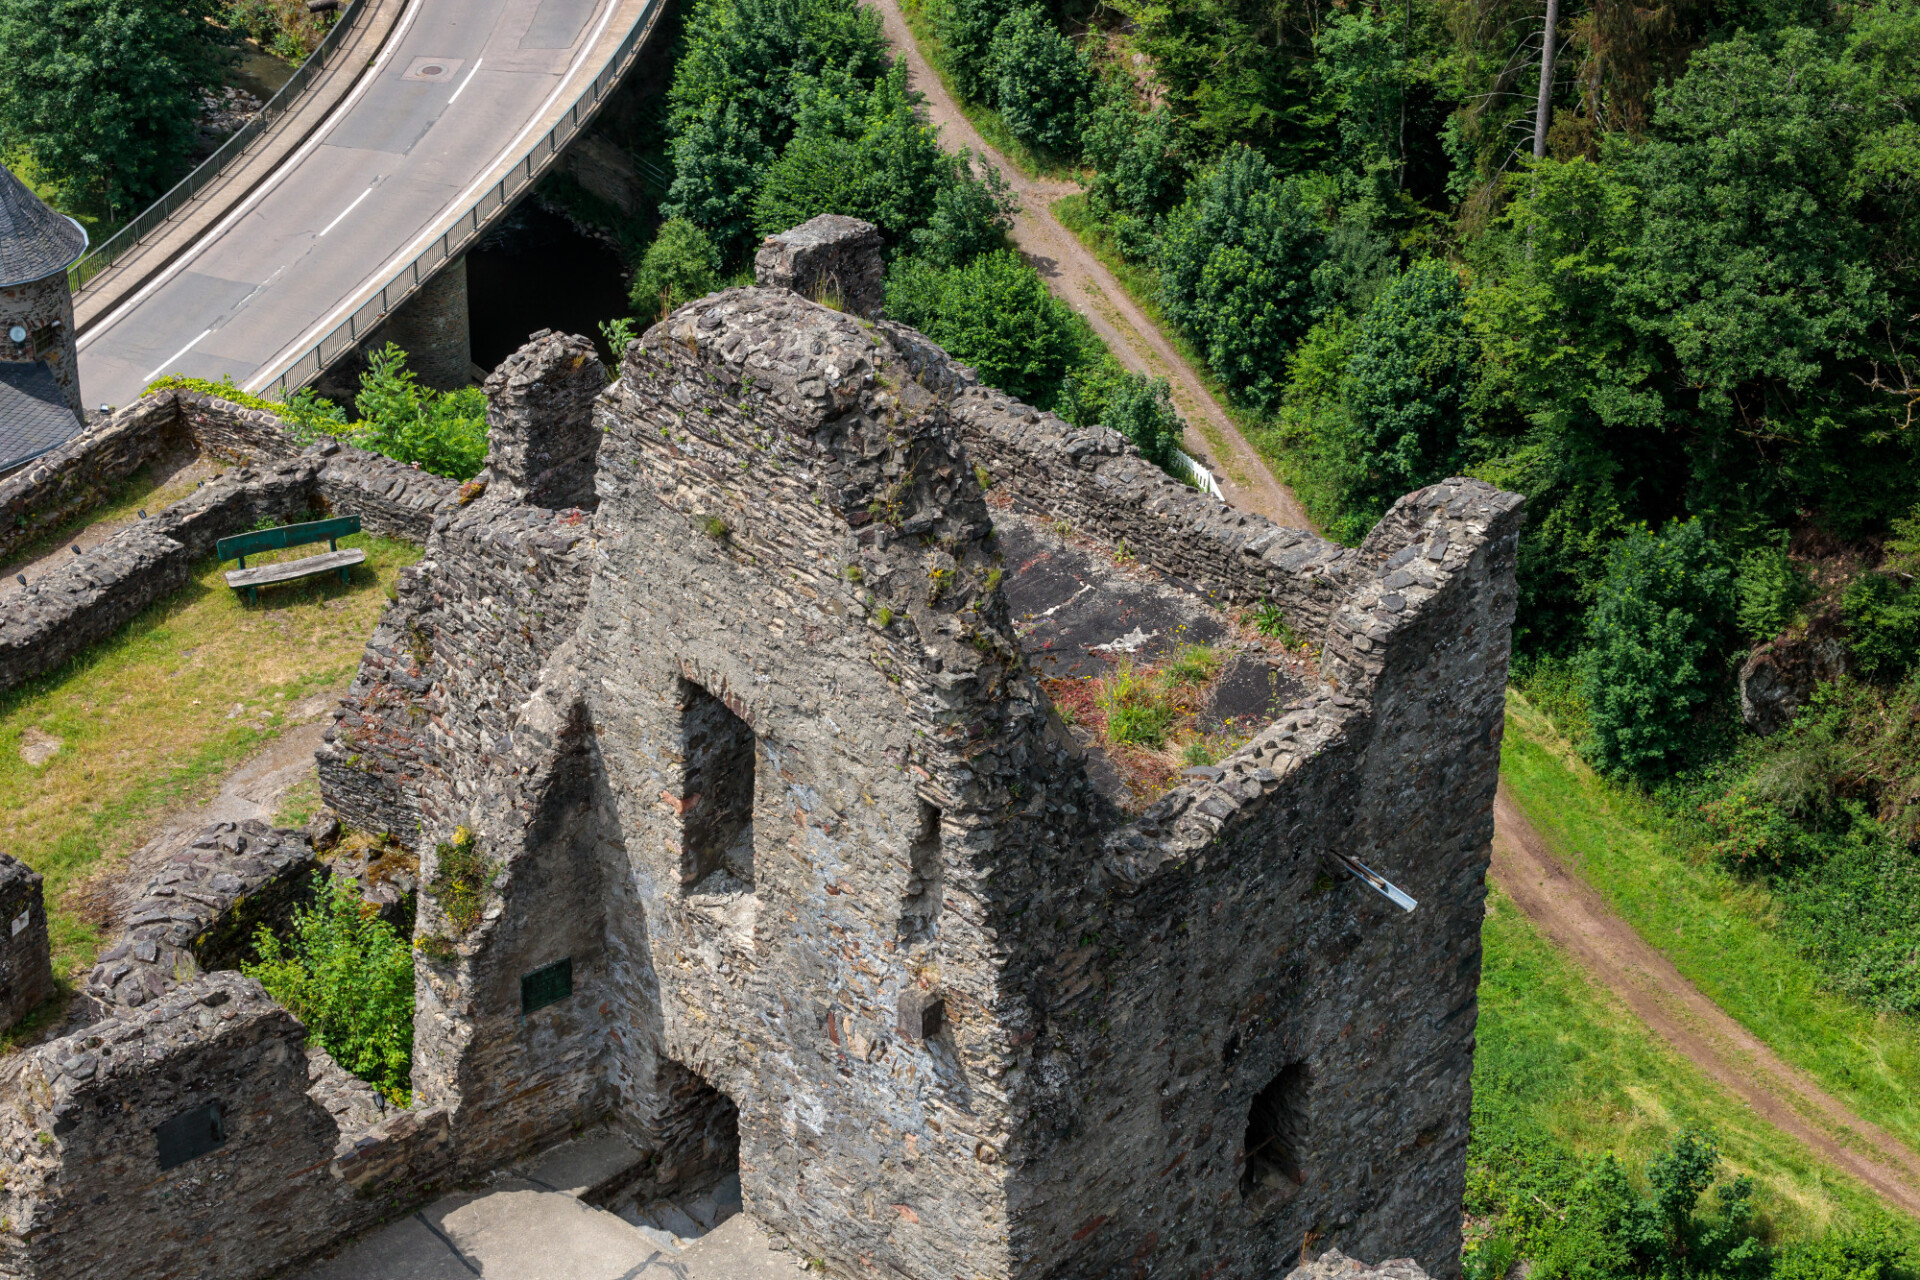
(464, 96)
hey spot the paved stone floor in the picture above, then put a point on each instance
(531, 1223)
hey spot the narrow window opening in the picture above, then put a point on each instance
(716, 795)
(921, 905)
(1276, 1142)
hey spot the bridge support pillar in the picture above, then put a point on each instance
(432, 328)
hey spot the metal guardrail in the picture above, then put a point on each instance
(526, 171)
(123, 241)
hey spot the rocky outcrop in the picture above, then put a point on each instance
(1779, 677)
(1335, 1265)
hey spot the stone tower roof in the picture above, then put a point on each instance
(35, 241)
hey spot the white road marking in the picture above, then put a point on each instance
(175, 356)
(295, 350)
(344, 212)
(463, 84)
(395, 39)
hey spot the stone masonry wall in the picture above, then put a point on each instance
(829, 257)
(96, 594)
(26, 968)
(1097, 481)
(1223, 924)
(214, 1076)
(81, 473)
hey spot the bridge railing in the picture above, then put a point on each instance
(530, 168)
(125, 240)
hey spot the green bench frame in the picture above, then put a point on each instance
(242, 545)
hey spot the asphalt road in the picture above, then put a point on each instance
(460, 89)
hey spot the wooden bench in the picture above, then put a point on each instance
(242, 545)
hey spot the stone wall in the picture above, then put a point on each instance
(184, 1133)
(1240, 965)
(26, 968)
(200, 911)
(82, 473)
(88, 599)
(1052, 1067)
(832, 258)
(1096, 481)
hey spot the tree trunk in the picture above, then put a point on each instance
(1543, 109)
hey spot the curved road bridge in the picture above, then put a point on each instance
(466, 105)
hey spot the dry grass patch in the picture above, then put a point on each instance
(151, 719)
(1148, 719)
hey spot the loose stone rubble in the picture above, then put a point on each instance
(784, 863)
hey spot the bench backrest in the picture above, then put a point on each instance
(288, 535)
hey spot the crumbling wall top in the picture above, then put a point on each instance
(541, 439)
(826, 258)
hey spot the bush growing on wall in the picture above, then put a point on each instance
(348, 975)
(444, 431)
(680, 265)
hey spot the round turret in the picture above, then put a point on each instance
(39, 361)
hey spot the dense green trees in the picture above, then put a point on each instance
(680, 265)
(995, 314)
(1040, 80)
(104, 94)
(1237, 260)
(1655, 637)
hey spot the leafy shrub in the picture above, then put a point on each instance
(1769, 589)
(461, 876)
(1654, 635)
(680, 265)
(304, 414)
(1883, 623)
(1406, 384)
(444, 431)
(971, 215)
(1236, 270)
(348, 975)
(1137, 406)
(966, 28)
(1041, 82)
(1140, 167)
(994, 313)
(1575, 1218)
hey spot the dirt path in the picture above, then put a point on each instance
(1089, 288)
(1570, 913)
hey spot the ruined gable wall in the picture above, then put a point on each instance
(77, 1129)
(821, 451)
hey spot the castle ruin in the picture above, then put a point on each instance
(724, 686)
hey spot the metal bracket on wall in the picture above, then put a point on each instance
(1376, 882)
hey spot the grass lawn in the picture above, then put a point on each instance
(1714, 927)
(152, 718)
(1556, 1053)
(1034, 162)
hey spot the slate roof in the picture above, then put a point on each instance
(34, 416)
(35, 241)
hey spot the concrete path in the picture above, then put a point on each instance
(535, 1223)
(455, 97)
